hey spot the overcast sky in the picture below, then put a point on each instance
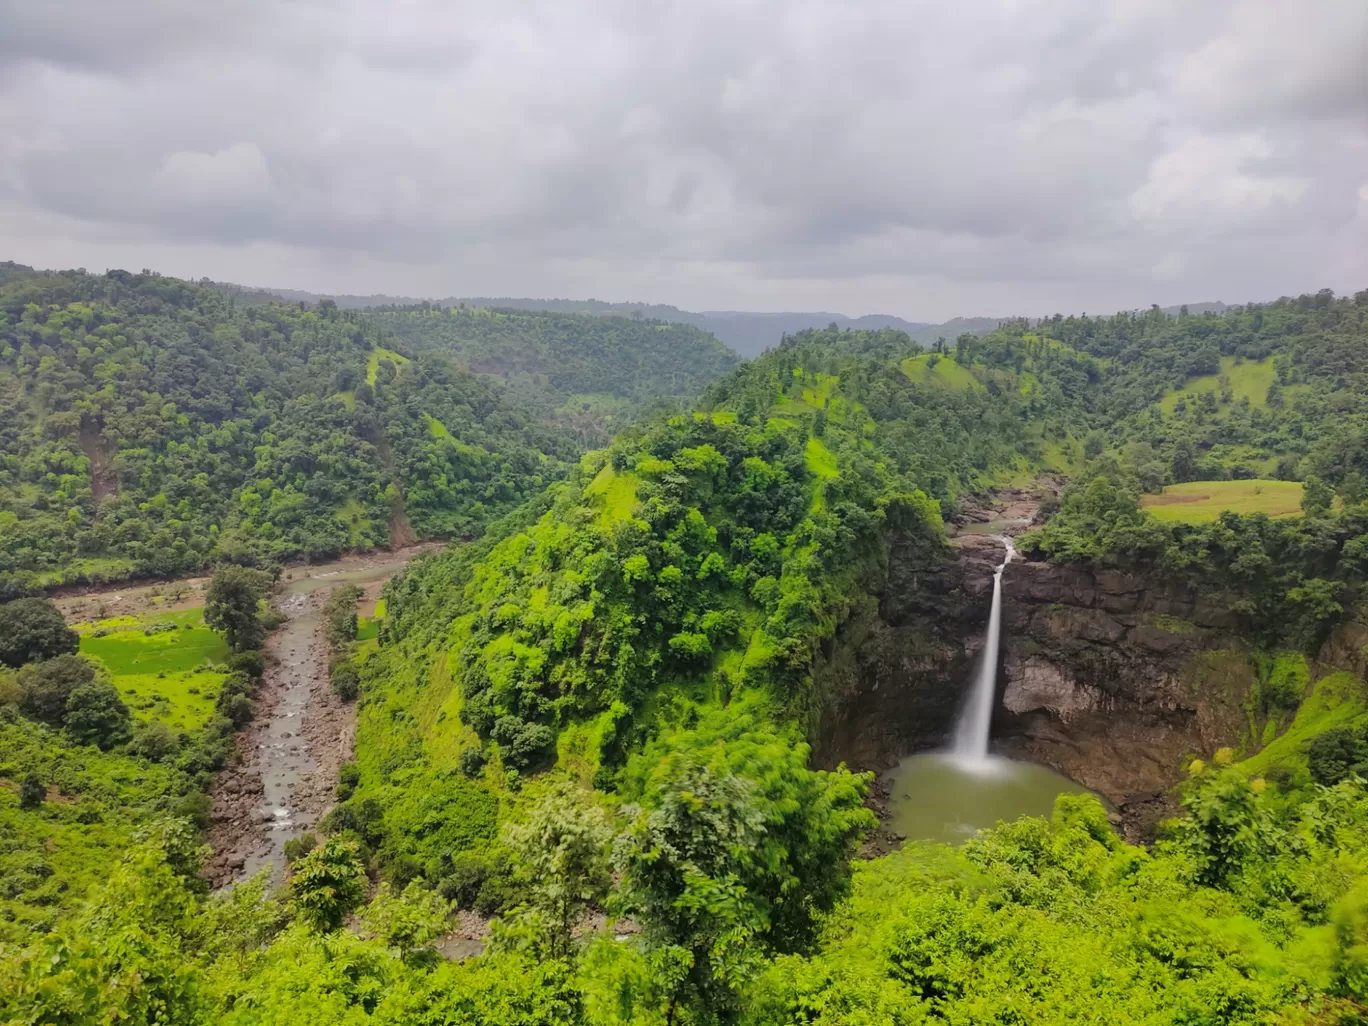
(916, 158)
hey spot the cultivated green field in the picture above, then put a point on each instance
(945, 374)
(168, 675)
(1199, 502)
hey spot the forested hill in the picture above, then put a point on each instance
(151, 426)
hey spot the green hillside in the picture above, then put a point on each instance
(587, 731)
(153, 426)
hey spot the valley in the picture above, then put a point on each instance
(659, 725)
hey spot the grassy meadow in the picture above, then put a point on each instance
(1200, 502)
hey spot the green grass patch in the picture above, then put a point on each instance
(1248, 380)
(378, 354)
(435, 427)
(618, 494)
(793, 408)
(944, 373)
(1200, 502)
(1336, 701)
(821, 462)
(165, 675)
(367, 628)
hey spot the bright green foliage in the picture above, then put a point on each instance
(406, 922)
(327, 884)
(561, 852)
(32, 629)
(231, 605)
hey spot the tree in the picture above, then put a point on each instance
(328, 884)
(32, 629)
(32, 792)
(409, 921)
(96, 715)
(736, 850)
(49, 685)
(1316, 497)
(563, 861)
(230, 605)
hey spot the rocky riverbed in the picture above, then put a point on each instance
(283, 779)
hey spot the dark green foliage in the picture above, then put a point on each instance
(339, 615)
(48, 686)
(483, 883)
(32, 629)
(154, 426)
(249, 662)
(231, 605)
(471, 761)
(1288, 578)
(345, 680)
(348, 776)
(96, 715)
(1336, 754)
(154, 741)
(32, 791)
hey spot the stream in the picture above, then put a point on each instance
(302, 733)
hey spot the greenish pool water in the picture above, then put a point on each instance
(937, 796)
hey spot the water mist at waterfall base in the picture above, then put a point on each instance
(952, 794)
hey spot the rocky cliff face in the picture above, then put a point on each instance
(1114, 680)
(1111, 679)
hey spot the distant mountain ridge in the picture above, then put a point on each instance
(747, 333)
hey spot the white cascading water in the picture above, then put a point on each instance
(971, 733)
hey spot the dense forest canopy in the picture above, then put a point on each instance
(152, 426)
(592, 722)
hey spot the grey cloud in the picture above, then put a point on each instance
(1097, 151)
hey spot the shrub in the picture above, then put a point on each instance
(348, 777)
(32, 629)
(346, 681)
(238, 709)
(523, 744)
(154, 741)
(471, 761)
(32, 792)
(297, 847)
(96, 715)
(249, 662)
(328, 883)
(47, 687)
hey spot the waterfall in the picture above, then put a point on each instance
(971, 733)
